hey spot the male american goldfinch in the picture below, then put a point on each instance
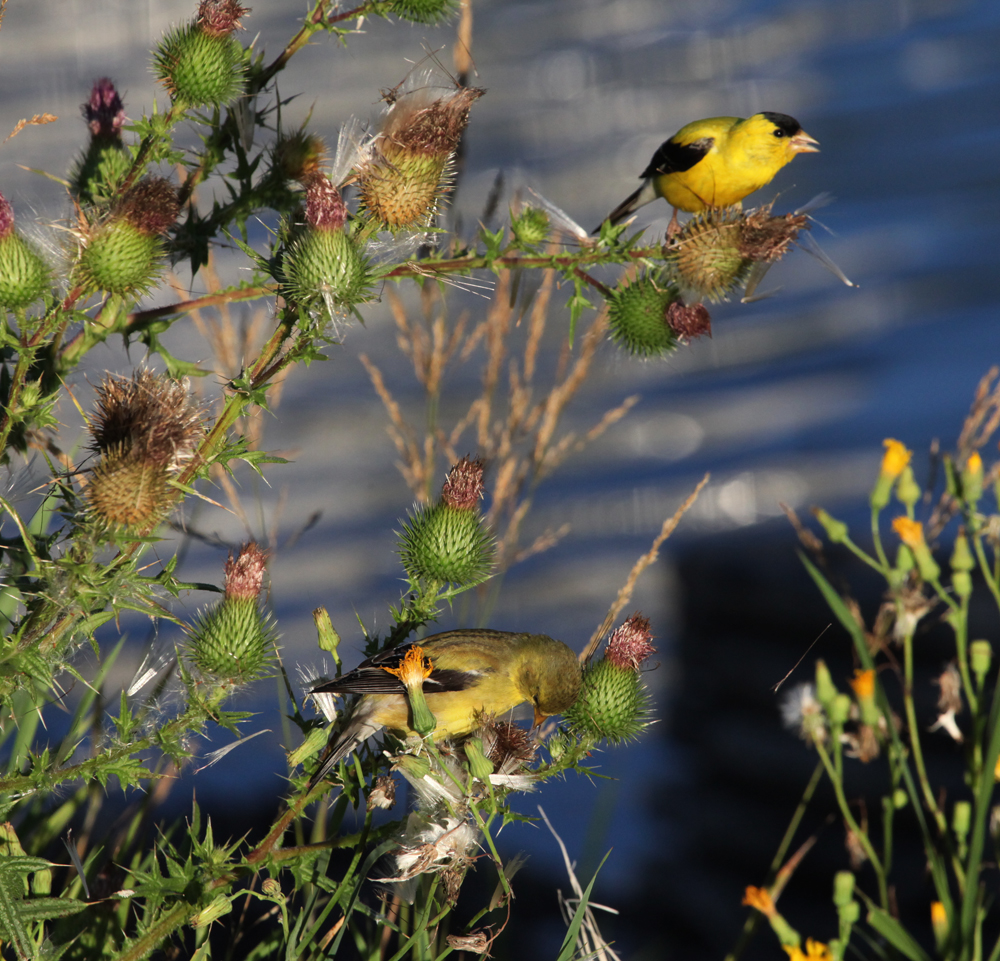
(470, 673)
(717, 162)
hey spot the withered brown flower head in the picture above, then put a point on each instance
(6, 218)
(630, 644)
(687, 322)
(219, 18)
(150, 206)
(950, 683)
(148, 415)
(325, 209)
(104, 111)
(245, 573)
(507, 745)
(432, 128)
(765, 239)
(464, 486)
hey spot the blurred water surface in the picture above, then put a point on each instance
(787, 403)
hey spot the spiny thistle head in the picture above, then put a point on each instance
(97, 174)
(323, 265)
(423, 11)
(24, 274)
(716, 249)
(448, 541)
(531, 227)
(298, 155)
(613, 702)
(144, 430)
(637, 317)
(232, 641)
(201, 63)
(123, 253)
(405, 170)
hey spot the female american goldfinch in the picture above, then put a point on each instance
(470, 673)
(717, 162)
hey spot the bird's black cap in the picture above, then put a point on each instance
(789, 126)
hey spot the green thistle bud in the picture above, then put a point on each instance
(325, 268)
(448, 541)
(123, 254)
(637, 317)
(406, 169)
(201, 64)
(531, 227)
(24, 275)
(981, 656)
(613, 702)
(232, 641)
(423, 11)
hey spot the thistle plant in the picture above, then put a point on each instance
(94, 546)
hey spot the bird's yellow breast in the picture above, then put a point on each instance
(744, 157)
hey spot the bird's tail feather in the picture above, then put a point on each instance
(343, 745)
(644, 195)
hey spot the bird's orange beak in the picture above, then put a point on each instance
(803, 143)
(539, 716)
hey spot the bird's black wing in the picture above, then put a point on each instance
(674, 158)
(370, 678)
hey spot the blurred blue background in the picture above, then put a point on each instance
(788, 402)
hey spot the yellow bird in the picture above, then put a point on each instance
(717, 162)
(472, 672)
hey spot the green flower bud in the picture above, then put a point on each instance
(201, 63)
(904, 559)
(612, 704)
(24, 274)
(219, 907)
(313, 743)
(480, 766)
(961, 556)
(907, 489)
(836, 530)
(826, 690)
(637, 317)
(329, 639)
(423, 11)
(900, 799)
(972, 479)
(840, 711)
(981, 656)
(961, 820)
(843, 888)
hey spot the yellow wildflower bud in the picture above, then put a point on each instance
(972, 479)
(939, 922)
(863, 685)
(911, 533)
(896, 457)
(760, 899)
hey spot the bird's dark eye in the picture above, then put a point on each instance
(779, 133)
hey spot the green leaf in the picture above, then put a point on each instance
(901, 939)
(568, 949)
(840, 609)
(44, 909)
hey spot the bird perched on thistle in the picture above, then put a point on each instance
(716, 163)
(461, 676)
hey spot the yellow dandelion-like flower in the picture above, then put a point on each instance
(414, 669)
(895, 458)
(910, 532)
(815, 951)
(760, 899)
(974, 463)
(863, 684)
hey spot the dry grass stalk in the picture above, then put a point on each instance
(517, 429)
